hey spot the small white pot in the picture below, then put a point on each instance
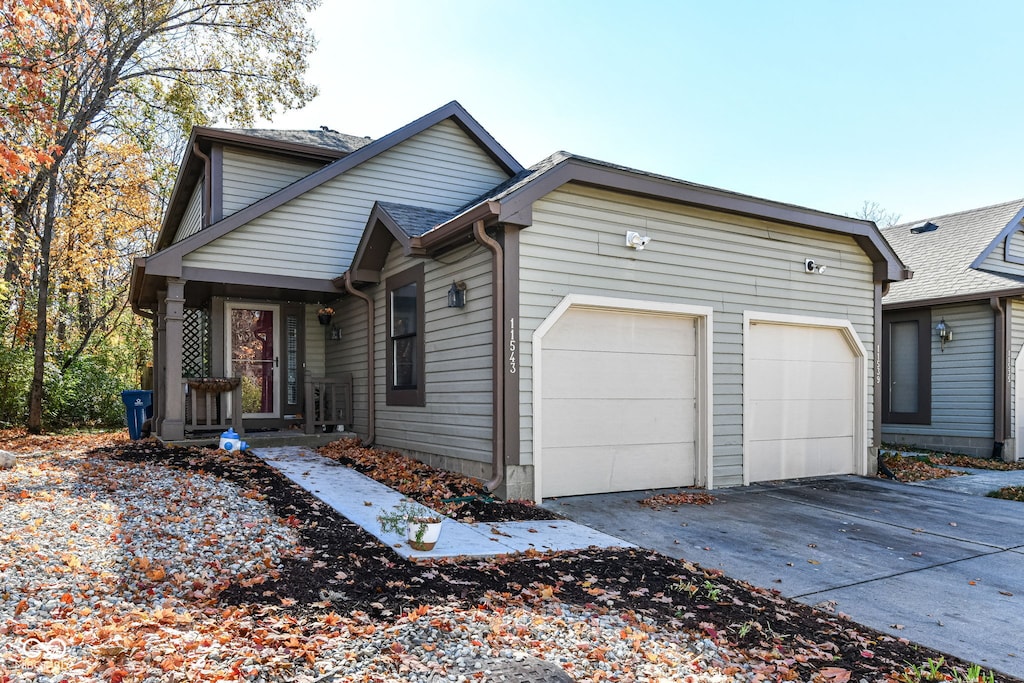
(431, 530)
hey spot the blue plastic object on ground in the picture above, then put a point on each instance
(138, 406)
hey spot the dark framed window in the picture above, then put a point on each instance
(907, 367)
(405, 352)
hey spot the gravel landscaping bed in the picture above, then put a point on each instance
(138, 562)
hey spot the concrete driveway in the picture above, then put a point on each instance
(942, 568)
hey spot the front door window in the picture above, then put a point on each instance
(253, 355)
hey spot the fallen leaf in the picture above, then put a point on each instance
(1006, 593)
(834, 674)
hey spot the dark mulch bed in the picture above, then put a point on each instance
(354, 571)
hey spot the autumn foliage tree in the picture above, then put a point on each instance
(94, 93)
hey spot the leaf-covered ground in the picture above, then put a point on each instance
(925, 464)
(340, 587)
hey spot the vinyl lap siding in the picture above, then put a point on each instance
(316, 235)
(1015, 347)
(316, 343)
(1012, 247)
(962, 376)
(249, 177)
(192, 220)
(577, 244)
(456, 420)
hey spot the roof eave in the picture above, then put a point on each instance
(954, 299)
(515, 208)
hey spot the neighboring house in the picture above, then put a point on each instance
(957, 395)
(569, 328)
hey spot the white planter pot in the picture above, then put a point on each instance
(426, 539)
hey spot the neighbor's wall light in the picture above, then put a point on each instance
(945, 333)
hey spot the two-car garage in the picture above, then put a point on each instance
(624, 394)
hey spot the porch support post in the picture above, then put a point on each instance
(159, 363)
(156, 379)
(173, 427)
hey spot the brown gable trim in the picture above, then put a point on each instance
(452, 110)
(371, 254)
(1004, 234)
(256, 142)
(516, 204)
(212, 140)
(954, 299)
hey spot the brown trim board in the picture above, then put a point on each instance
(513, 342)
(452, 110)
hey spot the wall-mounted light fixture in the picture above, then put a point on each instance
(336, 332)
(812, 266)
(636, 241)
(945, 333)
(457, 295)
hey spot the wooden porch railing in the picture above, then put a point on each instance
(209, 400)
(328, 402)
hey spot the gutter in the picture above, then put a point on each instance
(498, 360)
(371, 389)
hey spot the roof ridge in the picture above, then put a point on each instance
(956, 213)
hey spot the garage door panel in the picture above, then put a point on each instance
(801, 389)
(617, 396)
(600, 374)
(795, 419)
(782, 342)
(593, 423)
(798, 458)
(610, 330)
(813, 380)
(578, 471)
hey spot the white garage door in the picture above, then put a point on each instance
(801, 394)
(618, 402)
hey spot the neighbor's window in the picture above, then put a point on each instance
(906, 369)
(405, 338)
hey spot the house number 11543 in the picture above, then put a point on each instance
(512, 346)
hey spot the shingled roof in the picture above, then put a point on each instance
(325, 138)
(941, 258)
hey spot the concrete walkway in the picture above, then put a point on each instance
(942, 568)
(361, 499)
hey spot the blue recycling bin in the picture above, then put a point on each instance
(138, 406)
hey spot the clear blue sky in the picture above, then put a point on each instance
(914, 105)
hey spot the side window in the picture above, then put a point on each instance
(405, 356)
(907, 367)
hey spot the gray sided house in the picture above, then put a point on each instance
(953, 335)
(568, 328)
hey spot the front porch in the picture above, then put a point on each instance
(251, 359)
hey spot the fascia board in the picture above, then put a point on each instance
(451, 110)
(1007, 230)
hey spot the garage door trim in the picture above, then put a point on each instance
(702, 316)
(860, 354)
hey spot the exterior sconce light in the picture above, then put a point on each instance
(945, 333)
(336, 332)
(457, 295)
(635, 240)
(812, 266)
